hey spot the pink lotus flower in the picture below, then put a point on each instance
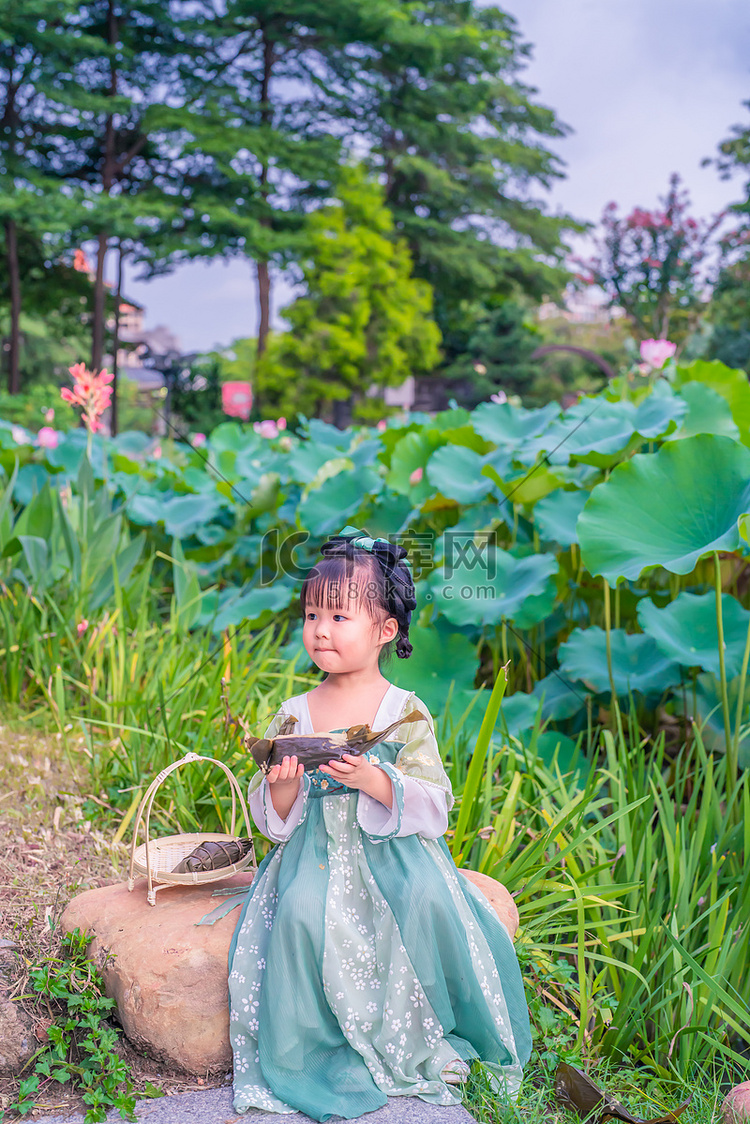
(382, 424)
(91, 392)
(19, 435)
(237, 399)
(47, 438)
(199, 439)
(499, 398)
(281, 423)
(416, 476)
(266, 428)
(49, 416)
(82, 626)
(656, 352)
(156, 451)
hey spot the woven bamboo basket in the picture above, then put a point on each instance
(155, 859)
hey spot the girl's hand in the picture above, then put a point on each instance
(355, 771)
(288, 772)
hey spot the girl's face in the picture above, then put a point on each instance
(345, 639)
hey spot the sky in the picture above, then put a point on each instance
(649, 87)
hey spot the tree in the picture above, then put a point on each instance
(458, 140)
(363, 321)
(730, 304)
(656, 265)
(32, 34)
(258, 152)
(494, 353)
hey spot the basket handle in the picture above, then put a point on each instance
(148, 800)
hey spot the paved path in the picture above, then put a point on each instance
(214, 1106)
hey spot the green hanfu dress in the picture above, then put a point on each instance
(363, 962)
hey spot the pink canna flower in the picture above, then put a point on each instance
(656, 352)
(416, 476)
(91, 392)
(48, 438)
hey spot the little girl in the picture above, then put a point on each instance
(364, 965)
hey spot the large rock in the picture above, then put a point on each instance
(169, 976)
(498, 897)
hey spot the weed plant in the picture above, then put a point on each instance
(81, 1046)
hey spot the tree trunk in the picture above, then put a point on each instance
(264, 278)
(264, 305)
(108, 175)
(113, 421)
(14, 280)
(97, 330)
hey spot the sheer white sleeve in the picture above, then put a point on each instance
(422, 794)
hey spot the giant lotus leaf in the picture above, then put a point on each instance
(637, 663)
(685, 630)
(556, 516)
(455, 471)
(667, 508)
(494, 585)
(511, 427)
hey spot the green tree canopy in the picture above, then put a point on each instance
(461, 144)
(363, 320)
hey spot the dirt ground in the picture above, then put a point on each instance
(52, 847)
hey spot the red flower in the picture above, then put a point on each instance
(90, 392)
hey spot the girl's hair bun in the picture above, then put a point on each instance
(398, 583)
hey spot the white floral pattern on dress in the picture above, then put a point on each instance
(400, 1065)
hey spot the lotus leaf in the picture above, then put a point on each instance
(667, 508)
(320, 432)
(411, 452)
(511, 427)
(68, 453)
(305, 461)
(184, 514)
(455, 471)
(494, 585)
(519, 713)
(708, 412)
(530, 486)
(234, 437)
(560, 697)
(594, 429)
(556, 515)
(441, 657)
(637, 663)
(656, 413)
(131, 442)
(706, 709)
(251, 606)
(323, 510)
(685, 630)
(145, 510)
(30, 480)
(731, 384)
(481, 517)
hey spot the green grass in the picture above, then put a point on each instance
(639, 1090)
